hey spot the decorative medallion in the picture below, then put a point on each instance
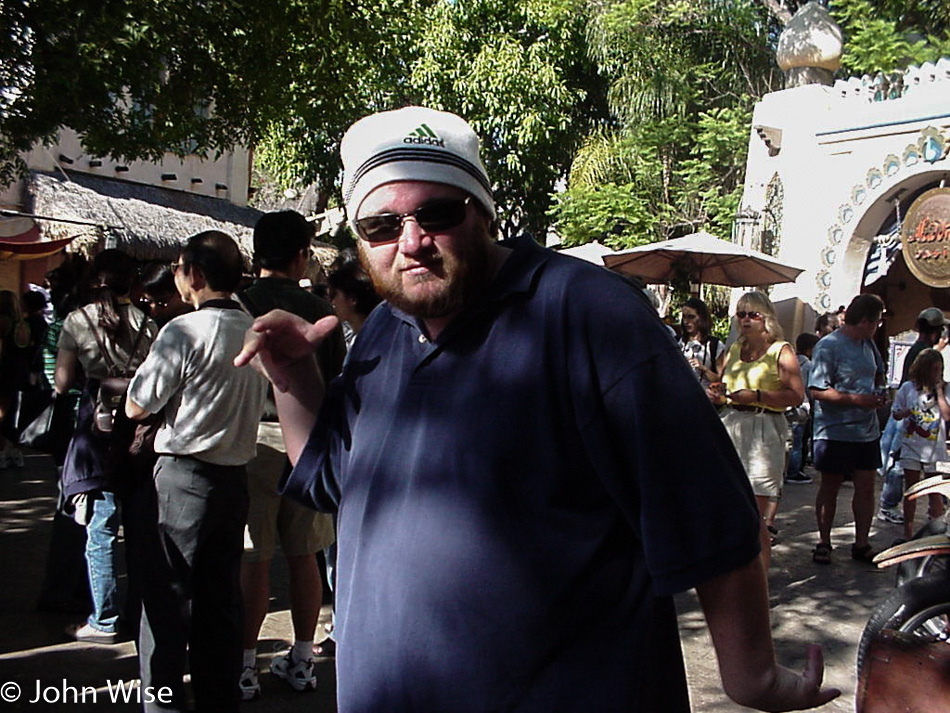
(911, 156)
(874, 178)
(892, 165)
(846, 213)
(925, 237)
(835, 234)
(858, 194)
(828, 256)
(932, 145)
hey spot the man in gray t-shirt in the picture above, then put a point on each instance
(846, 372)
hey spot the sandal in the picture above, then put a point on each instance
(822, 554)
(863, 554)
(773, 534)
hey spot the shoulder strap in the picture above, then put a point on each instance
(135, 345)
(110, 365)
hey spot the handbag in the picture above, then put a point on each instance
(51, 430)
(112, 388)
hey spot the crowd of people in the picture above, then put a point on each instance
(168, 462)
(821, 403)
(483, 445)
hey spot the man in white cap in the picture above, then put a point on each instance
(499, 451)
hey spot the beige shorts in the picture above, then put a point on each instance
(914, 464)
(271, 517)
(760, 439)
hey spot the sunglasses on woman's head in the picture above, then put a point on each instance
(742, 314)
(435, 217)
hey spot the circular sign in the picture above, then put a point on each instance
(925, 238)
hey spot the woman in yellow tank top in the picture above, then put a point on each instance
(761, 379)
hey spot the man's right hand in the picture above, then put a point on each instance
(279, 341)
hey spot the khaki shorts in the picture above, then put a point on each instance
(273, 518)
(760, 439)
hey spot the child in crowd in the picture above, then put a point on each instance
(922, 406)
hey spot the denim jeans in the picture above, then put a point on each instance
(795, 455)
(893, 491)
(101, 534)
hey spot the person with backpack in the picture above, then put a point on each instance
(104, 340)
(704, 352)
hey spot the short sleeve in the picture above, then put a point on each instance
(720, 350)
(822, 371)
(901, 400)
(660, 450)
(161, 374)
(67, 340)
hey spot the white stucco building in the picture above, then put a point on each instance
(832, 173)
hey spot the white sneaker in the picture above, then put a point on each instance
(892, 515)
(91, 634)
(299, 674)
(250, 687)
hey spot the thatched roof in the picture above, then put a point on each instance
(145, 221)
(148, 222)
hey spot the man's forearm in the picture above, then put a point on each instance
(736, 607)
(842, 398)
(299, 404)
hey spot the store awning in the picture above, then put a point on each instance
(20, 238)
(31, 251)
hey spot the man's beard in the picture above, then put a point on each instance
(465, 273)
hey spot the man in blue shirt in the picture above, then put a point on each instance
(846, 374)
(504, 447)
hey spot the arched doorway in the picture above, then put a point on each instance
(874, 261)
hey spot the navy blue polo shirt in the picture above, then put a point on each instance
(517, 500)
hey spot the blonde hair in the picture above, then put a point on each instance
(756, 301)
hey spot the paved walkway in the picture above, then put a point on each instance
(810, 603)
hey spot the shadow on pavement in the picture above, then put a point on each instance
(35, 650)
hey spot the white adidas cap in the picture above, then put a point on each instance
(411, 144)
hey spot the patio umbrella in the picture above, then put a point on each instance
(703, 258)
(591, 252)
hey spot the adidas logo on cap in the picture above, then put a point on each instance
(424, 135)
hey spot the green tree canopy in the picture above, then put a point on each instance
(683, 74)
(889, 35)
(518, 70)
(137, 78)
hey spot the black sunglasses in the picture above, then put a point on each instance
(742, 314)
(434, 217)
